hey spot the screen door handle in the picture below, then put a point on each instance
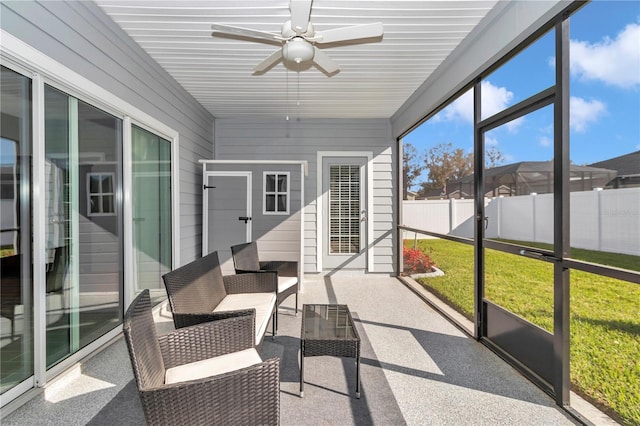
(484, 219)
(245, 218)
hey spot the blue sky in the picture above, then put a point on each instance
(604, 89)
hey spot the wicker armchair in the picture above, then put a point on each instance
(198, 292)
(242, 390)
(245, 259)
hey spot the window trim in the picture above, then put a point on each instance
(287, 193)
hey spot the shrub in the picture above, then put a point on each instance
(416, 261)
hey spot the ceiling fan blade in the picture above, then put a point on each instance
(324, 62)
(268, 63)
(300, 10)
(228, 30)
(350, 33)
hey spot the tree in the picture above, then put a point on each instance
(493, 157)
(446, 164)
(411, 168)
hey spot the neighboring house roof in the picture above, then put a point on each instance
(626, 165)
(536, 167)
(536, 176)
(452, 193)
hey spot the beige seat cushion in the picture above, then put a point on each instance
(212, 366)
(286, 282)
(262, 302)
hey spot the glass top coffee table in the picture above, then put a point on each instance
(328, 330)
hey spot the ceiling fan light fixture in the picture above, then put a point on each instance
(298, 50)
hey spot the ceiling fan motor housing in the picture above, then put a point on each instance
(298, 50)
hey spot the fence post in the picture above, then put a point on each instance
(451, 214)
(598, 192)
(498, 213)
(533, 216)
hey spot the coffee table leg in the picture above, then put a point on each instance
(301, 369)
(358, 378)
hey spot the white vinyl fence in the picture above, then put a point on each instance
(606, 220)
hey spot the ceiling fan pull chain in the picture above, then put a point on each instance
(286, 101)
(298, 90)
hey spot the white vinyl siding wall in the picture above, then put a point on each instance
(267, 139)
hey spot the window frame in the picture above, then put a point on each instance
(276, 193)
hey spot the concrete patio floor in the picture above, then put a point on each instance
(435, 372)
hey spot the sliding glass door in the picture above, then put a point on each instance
(84, 260)
(69, 214)
(151, 199)
(16, 294)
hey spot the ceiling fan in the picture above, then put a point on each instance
(300, 41)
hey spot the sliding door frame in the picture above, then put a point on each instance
(41, 69)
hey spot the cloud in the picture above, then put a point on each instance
(547, 129)
(615, 62)
(494, 99)
(545, 141)
(460, 110)
(490, 141)
(584, 112)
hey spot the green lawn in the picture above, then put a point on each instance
(605, 314)
(6, 252)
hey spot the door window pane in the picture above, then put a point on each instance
(519, 196)
(344, 209)
(16, 294)
(151, 196)
(83, 251)
(521, 285)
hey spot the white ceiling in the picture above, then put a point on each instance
(374, 81)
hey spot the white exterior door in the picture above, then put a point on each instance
(227, 206)
(344, 212)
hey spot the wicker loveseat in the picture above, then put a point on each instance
(198, 292)
(204, 374)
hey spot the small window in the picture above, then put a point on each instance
(276, 193)
(100, 200)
